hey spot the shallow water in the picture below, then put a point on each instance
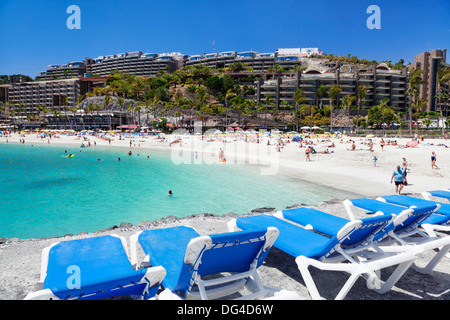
(45, 194)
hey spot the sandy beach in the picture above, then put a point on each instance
(341, 168)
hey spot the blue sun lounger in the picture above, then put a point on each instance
(406, 222)
(348, 248)
(437, 193)
(440, 216)
(91, 269)
(189, 258)
(406, 231)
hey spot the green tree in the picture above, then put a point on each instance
(443, 78)
(299, 97)
(362, 93)
(333, 94)
(412, 90)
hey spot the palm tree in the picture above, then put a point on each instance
(64, 104)
(443, 77)
(299, 96)
(321, 92)
(333, 93)
(362, 93)
(348, 101)
(121, 102)
(269, 101)
(107, 105)
(228, 95)
(412, 90)
(419, 106)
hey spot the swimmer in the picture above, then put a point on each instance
(170, 192)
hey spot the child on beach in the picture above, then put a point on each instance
(375, 159)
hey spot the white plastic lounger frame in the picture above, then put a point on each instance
(357, 266)
(414, 241)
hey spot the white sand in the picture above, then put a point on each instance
(343, 169)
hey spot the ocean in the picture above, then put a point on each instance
(44, 194)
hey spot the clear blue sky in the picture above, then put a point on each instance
(33, 34)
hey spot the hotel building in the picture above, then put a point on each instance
(136, 63)
(258, 62)
(381, 81)
(429, 62)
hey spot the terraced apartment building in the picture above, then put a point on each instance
(381, 81)
(30, 95)
(137, 63)
(256, 62)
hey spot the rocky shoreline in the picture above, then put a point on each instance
(20, 261)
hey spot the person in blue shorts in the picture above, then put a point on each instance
(398, 177)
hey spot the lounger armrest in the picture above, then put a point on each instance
(155, 275)
(44, 264)
(133, 247)
(426, 195)
(405, 214)
(232, 226)
(195, 248)
(348, 228)
(271, 235)
(44, 294)
(348, 207)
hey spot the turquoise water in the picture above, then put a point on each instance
(44, 194)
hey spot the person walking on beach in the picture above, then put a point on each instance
(405, 166)
(398, 177)
(371, 145)
(307, 153)
(433, 160)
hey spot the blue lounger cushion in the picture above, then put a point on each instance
(330, 224)
(292, 239)
(440, 193)
(440, 216)
(102, 264)
(419, 214)
(167, 248)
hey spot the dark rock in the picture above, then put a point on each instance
(263, 210)
(125, 225)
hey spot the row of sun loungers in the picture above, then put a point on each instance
(181, 264)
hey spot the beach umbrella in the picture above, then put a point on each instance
(305, 128)
(315, 127)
